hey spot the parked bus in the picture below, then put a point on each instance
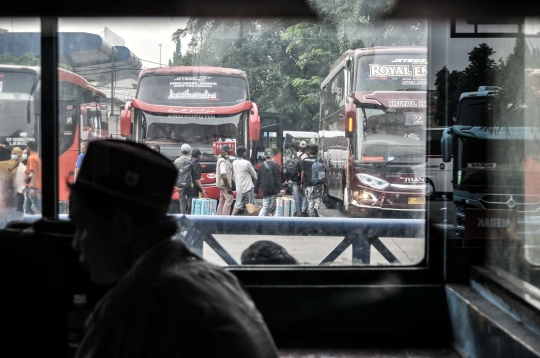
(495, 166)
(82, 112)
(83, 115)
(205, 107)
(372, 131)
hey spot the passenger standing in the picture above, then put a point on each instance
(196, 172)
(297, 192)
(269, 181)
(84, 146)
(16, 170)
(244, 174)
(313, 192)
(185, 150)
(224, 181)
(302, 154)
(32, 196)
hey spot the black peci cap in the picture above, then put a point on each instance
(127, 172)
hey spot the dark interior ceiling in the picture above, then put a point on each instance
(169, 8)
(481, 9)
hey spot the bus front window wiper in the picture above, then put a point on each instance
(382, 165)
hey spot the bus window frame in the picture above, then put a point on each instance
(428, 272)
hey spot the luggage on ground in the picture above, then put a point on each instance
(203, 206)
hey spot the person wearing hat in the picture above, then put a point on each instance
(269, 181)
(183, 195)
(166, 301)
(313, 192)
(224, 181)
(303, 149)
(299, 199)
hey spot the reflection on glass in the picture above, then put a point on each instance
(492, 109)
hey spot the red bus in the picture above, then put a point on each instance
(202, 106)
(372, 132)
(82, 112)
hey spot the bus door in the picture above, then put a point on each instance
(68, 145)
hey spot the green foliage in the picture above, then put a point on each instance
(286, 60)
(515, 98)
(26, 59)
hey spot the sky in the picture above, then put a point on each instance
(142, 35)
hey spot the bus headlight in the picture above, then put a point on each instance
(372, 181)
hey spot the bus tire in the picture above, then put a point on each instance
(328, 201)
(431, 194)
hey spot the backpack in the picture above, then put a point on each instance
(292, 168)
(184, 179)
(318, 174)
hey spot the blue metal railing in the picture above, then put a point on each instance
(361, 234)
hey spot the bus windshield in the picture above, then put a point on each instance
(198, 131)
(393, 136)
(16, 94)
(392, 73)
(188, 91)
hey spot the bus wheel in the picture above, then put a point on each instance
(329, 202)
(430, 190)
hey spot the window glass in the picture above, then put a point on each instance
(20, 122)
(487, 95)
(204, 82)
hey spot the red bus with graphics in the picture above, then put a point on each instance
(82, 110)
(372, 132)
(202, 106)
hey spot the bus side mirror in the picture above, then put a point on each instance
(350, 118)
(446, 145)
(125, 121)
(255, 124)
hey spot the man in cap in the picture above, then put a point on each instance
(183, 195)
(297, 154)
(224, 181)
(166, 302)
(269, 181)
(312, 192)
(303, 201)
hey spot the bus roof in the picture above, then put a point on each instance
(14, 68)
(192, 70)
(68, 76)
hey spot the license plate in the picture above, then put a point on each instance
(416, 201)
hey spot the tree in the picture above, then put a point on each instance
(287, 60)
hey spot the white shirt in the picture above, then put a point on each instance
(20, 176)
(243, 174)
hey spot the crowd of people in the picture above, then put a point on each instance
(239, 175)
(24, 173)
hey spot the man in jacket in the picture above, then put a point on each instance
(313, 192)
(183, 194)
(269, 181)
(224, 181)
(244, 174)
(166, 301)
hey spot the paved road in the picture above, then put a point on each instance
(309, 250)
